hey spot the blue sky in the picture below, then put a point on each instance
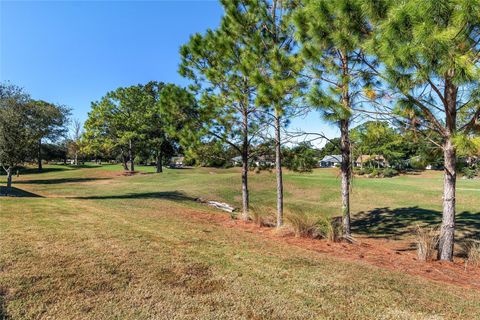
(73, 52)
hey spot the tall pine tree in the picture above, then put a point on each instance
(431, 52)
(222, 65)
(333, 34)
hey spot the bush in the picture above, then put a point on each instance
(330, 228)
(302, 224)
(471, 250)
(389, 172)
(359, 171)
(469, 173)
(263, 216)
(427, 242)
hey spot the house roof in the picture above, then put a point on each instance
(332, 158)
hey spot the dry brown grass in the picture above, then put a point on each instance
(471, 251)
(127, 250)
(426, 240)
(263, 216)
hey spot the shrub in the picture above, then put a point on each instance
(263, 216)
(427, 242)
(330, 228)
(359, 171)
(302, 224)
(374, 173)
(389, 172)
(471, 250)
(469, 173)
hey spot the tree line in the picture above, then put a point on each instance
(413, 63)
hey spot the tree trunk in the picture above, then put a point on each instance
(124, 161)
(40, 167)
(245, 197)
(9, 181)
(76, 158)
(130, 156)
(346, 174)
(159, 161)
(447, 231)
(278, 166)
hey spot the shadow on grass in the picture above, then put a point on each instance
(168, 195)
(395, 223)
(59, 180)
(3, 306)
(15, 192)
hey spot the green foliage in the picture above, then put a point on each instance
(221, 64)
(331, 147)
(301, 158)
(333, 35)
(430, 52)
(16, 126)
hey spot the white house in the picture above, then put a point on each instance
(330, 161)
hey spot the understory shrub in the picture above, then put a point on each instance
(330, 228)
(469, 172)
(263, 216)
(426, 240)
(372, 172)
(302, 224)
(305, 225)
(471, 250)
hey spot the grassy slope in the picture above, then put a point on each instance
(99, 246)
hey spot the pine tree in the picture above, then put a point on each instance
(221, 64)
(278, 78)
(333, 34)
(430, 51)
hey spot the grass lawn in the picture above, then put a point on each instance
(90, 243)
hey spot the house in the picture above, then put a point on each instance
(330, 161)
(377, 160)
(237, 161)
(177, 162)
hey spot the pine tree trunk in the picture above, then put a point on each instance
(40, 167)
(245, 196)
(159, 162)
(9, 181)
(278, 166)
(130, 156)
(346, 174)
(447, 231)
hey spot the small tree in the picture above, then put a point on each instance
(74, 143)
(221, 65)
(278, 77)
(49, 122)
(15, 129)
(333, 34)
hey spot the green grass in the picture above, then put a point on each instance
(97, 245)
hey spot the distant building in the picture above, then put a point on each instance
(330, 161)
(236, 161)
